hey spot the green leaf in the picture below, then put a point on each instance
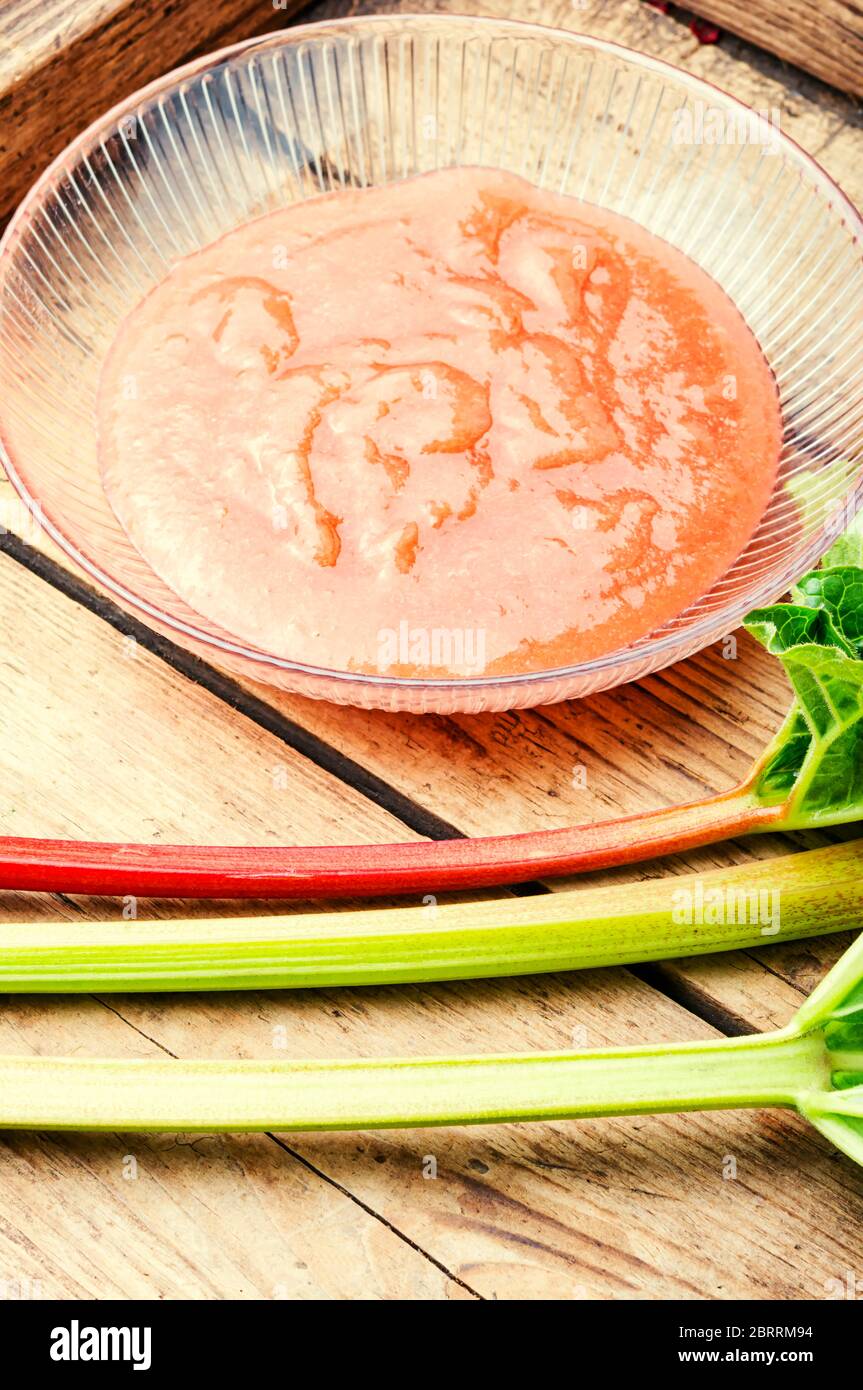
(810, 492)
(837, 1004)
(815, 762)
(785, 626)
(828, 685)
(837, 594)
(784, 759)
(848, 549)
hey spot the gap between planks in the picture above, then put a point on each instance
(316, 1171)
(375, 788)
(664, 979)
(475, 1205)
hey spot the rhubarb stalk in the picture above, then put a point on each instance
(333, 871)
(810, 775)
(799, 895)
(815, 1065)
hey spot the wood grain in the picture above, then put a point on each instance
(825, 39)
(182, 763)
(119, 740)
(94, 693)
(134, 1217)
(514, 1212)
(102, 737)
(589, 1210)
(683, 733)
(62, 65)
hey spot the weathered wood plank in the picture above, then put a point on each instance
(125, 742)
(631, 1208)
(161, 1216)
(62, 65)
(747, 1205)
(825, 39)
(121, 742)
(600, 1210)
(685, 731)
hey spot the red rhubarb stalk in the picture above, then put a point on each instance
(811, 774)
(270, 871)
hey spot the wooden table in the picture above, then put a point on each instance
(110, 732)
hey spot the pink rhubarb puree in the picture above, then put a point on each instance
(452, 426)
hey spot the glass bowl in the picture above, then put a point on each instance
(367, 101)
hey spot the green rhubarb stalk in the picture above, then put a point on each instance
(806, 894)
(814, 1065)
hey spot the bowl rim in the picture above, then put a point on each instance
(642, 651)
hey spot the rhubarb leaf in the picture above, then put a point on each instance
(815, 763)
(785, 626)
(784, 759)
(848, 549)
(837, 594)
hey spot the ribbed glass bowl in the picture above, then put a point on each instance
(367, 101)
